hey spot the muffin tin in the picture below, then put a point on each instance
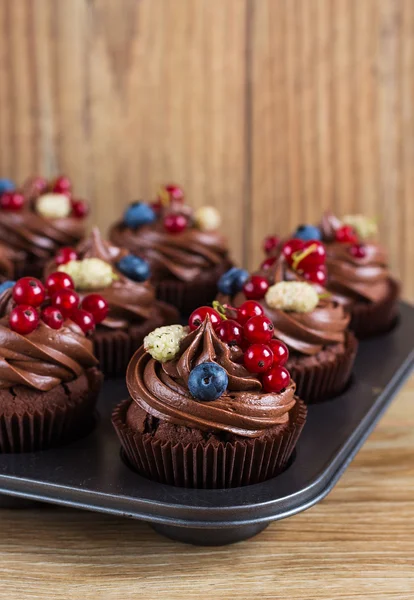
(89, 473)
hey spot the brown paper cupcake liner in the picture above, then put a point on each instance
(114, 348)
(55, 426)
(369, 319)
(207, 465)
(316, 383)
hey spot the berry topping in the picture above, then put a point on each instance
(52, 317)
(67, 301)
(230, 332)
(358, 251)
(199, 315)
(232, 281)
(258, 358)
(62, 185)
(83, 319)
(23, 319)
(175, 223)
(280, 352)
(80, 209)
(297, 296)
(163, 344)
(6, 285)
(96, 306)
(134, 267)
(247, 310)
(65, 255)
(258, 330)
(58, 281)
(207, 218)
(346, 234)
(256, 287)
(6, 185)
(276, 379)
(270, 243)
(12, 201)
(207, 381)
(290, 247)
(307, 233)
(319, 275)
(138, 214)
(29, 290)
(53, 206)
(310, 257)
(170, 193)
(268, 263)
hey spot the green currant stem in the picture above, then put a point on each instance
(298, 256)
(220, 308)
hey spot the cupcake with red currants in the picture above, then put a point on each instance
(49, 380)
(315, 343)
(203, 412)
(127, 307)
(186, 253)
(38, 219)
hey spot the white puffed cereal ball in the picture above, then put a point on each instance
(297, 296)
(89, 273)
(207, 218)
(53, 206)
(163, 343)
(365, 227)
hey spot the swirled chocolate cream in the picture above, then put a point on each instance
(184, 248)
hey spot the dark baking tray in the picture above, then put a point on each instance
(90, 474)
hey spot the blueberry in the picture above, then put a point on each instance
(6, 285)
(6, 185)
(208, 381)
(134, 267)
(232, 281)
(307, 233)
(138, 214)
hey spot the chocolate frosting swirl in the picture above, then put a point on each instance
(182, 255)
(45, 358)
(351, 278)
(7, 258)
(161, 389)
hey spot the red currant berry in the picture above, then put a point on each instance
(79, 209)
(62, 185)
(258, 330)
(156, 207)
(97, 306)
(319, 275)
(175, 192)
(268, 263)
(311, 257)
(175, 223)
(58, 281)
(199, 315)
(270, 243)
(67, 301)
(280, 352)
(83, 319)
(276, 379)
(256, 287)
(11, 201)
(52, 317)
(290, 247)
(358, 251)
(247, 310)
(29, 290)
(23, 319)
(346, 234)
(258, 358)
(65, 255)
(230, 332)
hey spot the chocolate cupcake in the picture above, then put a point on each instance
(38, 220)
(312, 325)
(131, 308)
(198, 418)
(358, 274)
(49, 379)
(186, 253)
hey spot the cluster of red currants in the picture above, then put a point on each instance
(14, 200)
(253, 332)
(347, 235)
(174, 222)
(53, 303)
(307, 259)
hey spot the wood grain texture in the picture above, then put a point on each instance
(270, 110)
(357, 544)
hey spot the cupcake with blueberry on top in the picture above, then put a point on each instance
(311, 326)
(49, 380)
(38, 219)
(186, 253)
(211, 405)
(127, 302)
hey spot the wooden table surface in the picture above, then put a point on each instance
(358, 543)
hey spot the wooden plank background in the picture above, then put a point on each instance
(272, 110)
